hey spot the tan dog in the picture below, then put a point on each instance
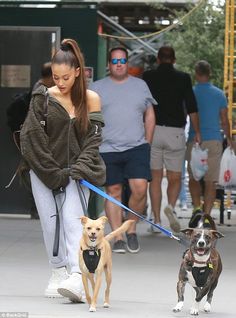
(95, 256)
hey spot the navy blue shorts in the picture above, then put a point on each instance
(130, 164)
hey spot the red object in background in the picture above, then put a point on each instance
(227, 176)
(135, 71)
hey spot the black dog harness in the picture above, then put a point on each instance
(91, 258)
(200, 274)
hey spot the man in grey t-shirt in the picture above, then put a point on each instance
(127, 108)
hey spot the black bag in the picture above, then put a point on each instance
(17, 110)
(16, 114)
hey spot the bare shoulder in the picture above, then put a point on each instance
(53, 91)
(93, 100)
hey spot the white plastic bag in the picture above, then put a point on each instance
(227, 177)
(198, 162)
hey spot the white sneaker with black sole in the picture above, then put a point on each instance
(58, 276)
(73, 288)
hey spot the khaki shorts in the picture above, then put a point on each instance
(168, 148)
(215, 149)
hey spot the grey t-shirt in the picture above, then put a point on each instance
(123, 107)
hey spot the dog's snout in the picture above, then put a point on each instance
(93, 233)
(201, 243)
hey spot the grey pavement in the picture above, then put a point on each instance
(144, 284)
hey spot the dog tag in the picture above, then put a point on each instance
(91, 253)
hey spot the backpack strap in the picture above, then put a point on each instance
(43, 122)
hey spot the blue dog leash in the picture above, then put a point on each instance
(108, 197)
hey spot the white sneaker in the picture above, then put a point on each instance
(171, 215)
(184, 206)
(72, 288)
(58, 275)
(154, 229)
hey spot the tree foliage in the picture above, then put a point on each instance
(200, 37)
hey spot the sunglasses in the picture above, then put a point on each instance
(115, 61)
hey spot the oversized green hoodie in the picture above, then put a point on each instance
(61, 150)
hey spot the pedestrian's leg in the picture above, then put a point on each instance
(72, 211)
(137, 200)
(156, 194)
(47, 209)
(137, 203)
(209, 196)
(113, 211)
(195, 191)
(174, 185)
(183, 192)
(173, 189)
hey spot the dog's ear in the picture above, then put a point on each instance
(103, 219)
(188, 232)
(217, 234)
(84, 220)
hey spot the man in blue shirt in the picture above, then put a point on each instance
(213, 115)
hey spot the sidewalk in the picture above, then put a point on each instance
(144, 284)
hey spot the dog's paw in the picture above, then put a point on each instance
(207, 307)
(178, 307)
(92, 309)
(106, 305)
(194, 311)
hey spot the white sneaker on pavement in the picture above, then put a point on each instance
(184, 206)
(171, 215)
(154, 229)
(58, 275)
(72, 288)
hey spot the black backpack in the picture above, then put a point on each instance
(17, 110)
(16, 114)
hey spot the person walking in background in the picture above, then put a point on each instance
(183, 191)
(172, 89)
(58, 155)
(16, 114)
(46, 77)
(129, 123)
(213, 114)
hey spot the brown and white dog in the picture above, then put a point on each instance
(201, 266)
(95, 256)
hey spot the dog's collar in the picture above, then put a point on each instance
(193, 260)
(92, 248)
(203, 263)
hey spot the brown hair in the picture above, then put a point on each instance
(117, 48)
(203, 68)
(70, 54)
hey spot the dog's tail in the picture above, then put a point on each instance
(123, 228)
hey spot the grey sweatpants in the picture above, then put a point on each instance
(70, 210)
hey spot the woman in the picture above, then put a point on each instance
(61, 147)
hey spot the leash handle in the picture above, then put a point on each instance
(108, 197)
(82, 199)
(57, 227)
